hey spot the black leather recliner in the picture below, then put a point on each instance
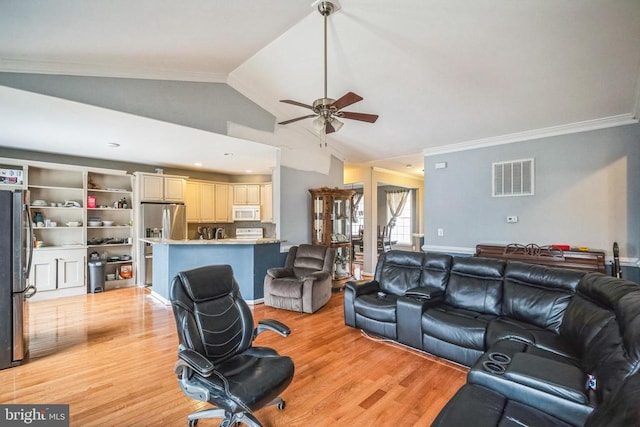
(216, 360)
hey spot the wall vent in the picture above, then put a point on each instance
(513, 178)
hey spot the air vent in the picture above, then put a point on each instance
(513, 178)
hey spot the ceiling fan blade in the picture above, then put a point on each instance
(346, 100)
(299, 104)
(371, 118)
(328, 127)
(286, 122)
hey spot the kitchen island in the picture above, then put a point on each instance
(249, 259)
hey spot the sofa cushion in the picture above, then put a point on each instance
(538, 295)
(398, 271)
(602, 322)
(457, 326)
(505, 328)
(372, 306)
(435, 271)
(474, 405)
(476, 284)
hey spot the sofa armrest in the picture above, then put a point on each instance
(278, 272)
(352, 290)
(547, 375)
(318, 276)
(361, 287)
(425, 293)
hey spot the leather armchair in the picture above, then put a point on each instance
(304, 283)
(217, 362)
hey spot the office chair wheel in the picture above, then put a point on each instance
(281, 405)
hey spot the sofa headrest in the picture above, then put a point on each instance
(554, 278)
(605, 290)
(478, 266)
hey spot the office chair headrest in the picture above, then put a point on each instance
(209, 282)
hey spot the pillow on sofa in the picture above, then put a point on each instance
(475, 283)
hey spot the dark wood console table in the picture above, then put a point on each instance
(573, 259)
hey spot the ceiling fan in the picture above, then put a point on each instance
(326, 110)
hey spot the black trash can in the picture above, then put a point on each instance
(96, 276)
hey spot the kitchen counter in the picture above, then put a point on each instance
(249, 259)
(229, 241)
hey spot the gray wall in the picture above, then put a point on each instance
(295, 199)
(587, 188)
(205, 106)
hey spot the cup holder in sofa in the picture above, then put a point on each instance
(493, 367)
(500, 358)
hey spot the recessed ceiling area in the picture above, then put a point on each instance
(439, 74)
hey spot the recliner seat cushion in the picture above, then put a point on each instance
(287, 287)
(457, 326)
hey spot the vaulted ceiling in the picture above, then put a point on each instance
(441, 74)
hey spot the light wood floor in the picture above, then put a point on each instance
(111, 356)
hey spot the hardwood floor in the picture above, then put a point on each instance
(110, 356)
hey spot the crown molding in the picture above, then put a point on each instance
(12, 65)
(588, 125)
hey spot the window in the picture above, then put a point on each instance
(358, 216)
(401, 233)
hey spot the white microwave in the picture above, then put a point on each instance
(245, 213)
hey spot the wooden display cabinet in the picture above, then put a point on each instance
(331, 226)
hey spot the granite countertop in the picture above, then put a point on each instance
(156, 241)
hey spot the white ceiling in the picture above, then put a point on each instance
(440, 73)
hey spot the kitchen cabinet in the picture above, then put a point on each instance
(201, 201)
(246, 194)
(222, 208)
(331, 225)
(161, 188)
(266, 202)
(58, 272)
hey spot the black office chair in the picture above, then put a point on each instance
(216, 360)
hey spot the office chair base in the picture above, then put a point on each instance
(232, 420)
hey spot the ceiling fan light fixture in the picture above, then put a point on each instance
(318, 124)
(337, 124)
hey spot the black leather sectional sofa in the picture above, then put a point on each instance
(544, 346)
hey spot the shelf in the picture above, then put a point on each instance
(119, 262)
(56, 228)
(51, 187)
(109, 209)
(58, 247)
(109, 245)
(110, 226)
(109, 190)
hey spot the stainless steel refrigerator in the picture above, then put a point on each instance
(160, 220)
(16, 249)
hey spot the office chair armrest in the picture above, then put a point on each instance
(272, 325)
(278, 272)
(195, 361)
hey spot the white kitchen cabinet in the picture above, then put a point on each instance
(58, 272)
(161, 188)
(266, 202)
(246, 194)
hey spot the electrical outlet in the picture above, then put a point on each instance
(512, 219)
(440, 232)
